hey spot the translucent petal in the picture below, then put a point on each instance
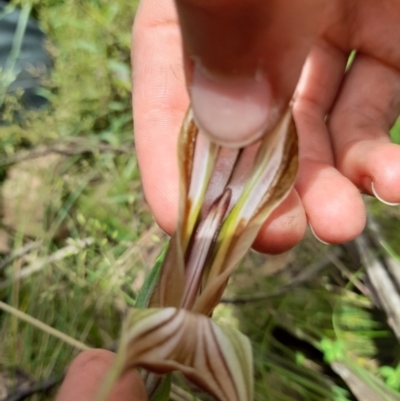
(217, 359)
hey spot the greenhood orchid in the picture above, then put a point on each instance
(225, 196)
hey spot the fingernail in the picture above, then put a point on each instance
(316, 236)
(231, 113)
(379, 198)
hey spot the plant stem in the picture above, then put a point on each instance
(44, 327)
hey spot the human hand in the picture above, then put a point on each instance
(86, 375)
(256, 49)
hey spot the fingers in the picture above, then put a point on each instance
(333, 205)
(372, 27)
(284, 229)
(366, 109)
(160, 100)
(87, 373)
(159, 103)
(237, 51)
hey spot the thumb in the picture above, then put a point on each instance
(87, 373)
(244, 60)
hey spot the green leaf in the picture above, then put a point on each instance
(333, 350)
(150, 282)
(163, 391)
(386, 371)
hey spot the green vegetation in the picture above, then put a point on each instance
(69, 176)
(77, 238)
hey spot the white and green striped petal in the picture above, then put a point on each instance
(269, 182)
(257, 177)
(217, 359)
(225, 197)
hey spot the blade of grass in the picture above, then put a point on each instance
(150, 282)
(44, 327)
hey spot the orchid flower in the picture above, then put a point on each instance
(225, 196)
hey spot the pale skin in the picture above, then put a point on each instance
(88, 372)
(338, 160)
(341, 158)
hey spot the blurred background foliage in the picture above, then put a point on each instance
(77, 239)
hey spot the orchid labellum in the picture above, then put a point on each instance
(225, 196)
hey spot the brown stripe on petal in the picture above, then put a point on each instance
(271, 179)
(222, 358)
(286, 174)
(210, 366)
(224, 167)
(156, 344)
(183, 352)
(168, 328)
(164, 293)
(195, 347)
(201, 247)
(157, 327)
(204, 158)
(186, 146)
(208, 381)
(169, 289)
(242, 170)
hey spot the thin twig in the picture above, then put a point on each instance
(349, 275)
(392, 264)
(62, 150)
(382, 283)
(39, 387)
(364, 387)
(44, 327)
(39, 264)
(18, 253)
